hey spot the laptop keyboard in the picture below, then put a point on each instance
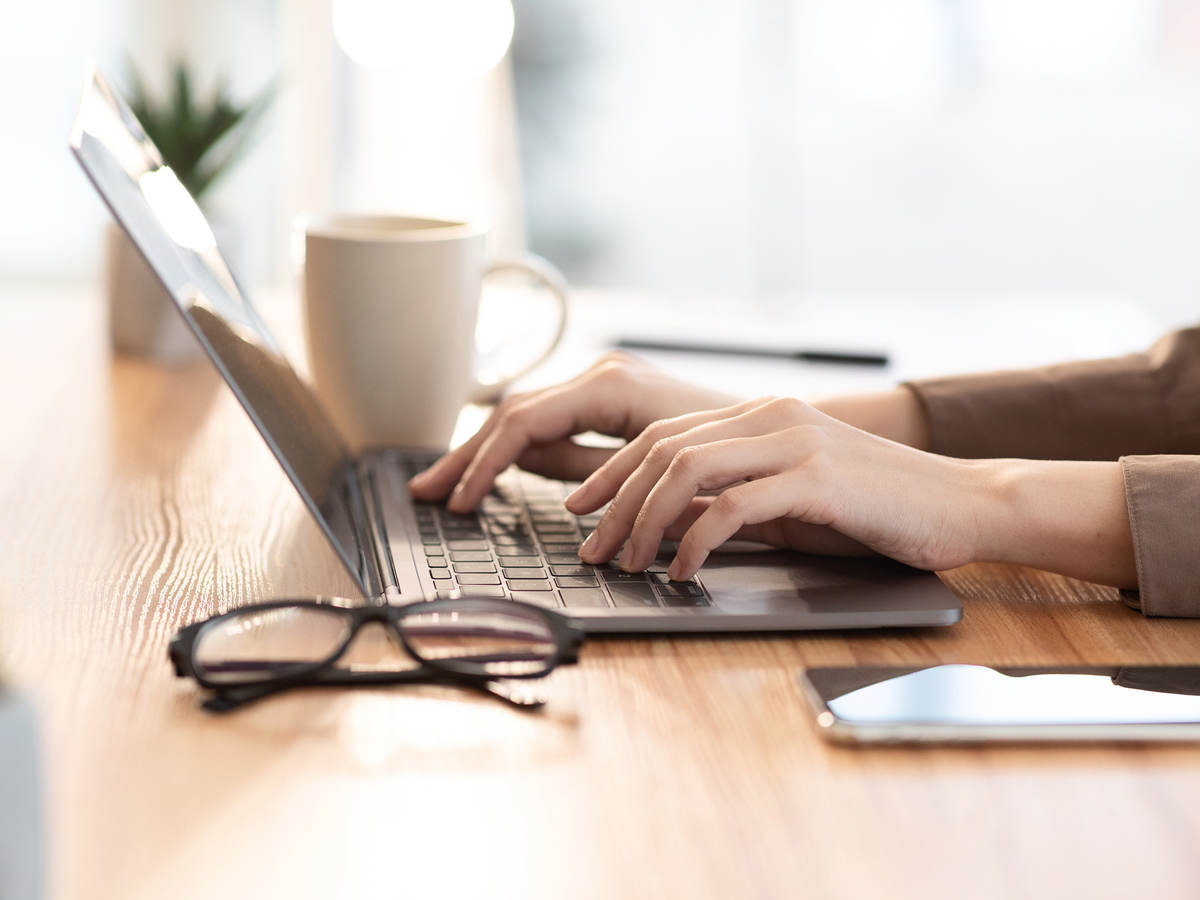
(522, 543)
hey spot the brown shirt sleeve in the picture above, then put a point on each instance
(1163, 496)
(1127, 408)
(1097, 409)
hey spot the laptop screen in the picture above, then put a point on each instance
(167, 226)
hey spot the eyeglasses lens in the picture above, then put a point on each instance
(485, 641)
(265, 644)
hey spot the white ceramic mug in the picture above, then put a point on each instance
(391, 305)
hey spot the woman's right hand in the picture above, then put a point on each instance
(619, 396)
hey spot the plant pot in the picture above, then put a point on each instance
(142, 319)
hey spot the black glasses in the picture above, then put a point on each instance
(252, 652)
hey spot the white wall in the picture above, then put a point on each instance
(762, 149)
(962, 147)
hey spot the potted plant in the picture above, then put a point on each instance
(201, 139)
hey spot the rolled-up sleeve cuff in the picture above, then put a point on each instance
(1096, 409)
(1163, 497)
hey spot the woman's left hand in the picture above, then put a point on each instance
(787, 475)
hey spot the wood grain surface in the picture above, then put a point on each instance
(137, 498)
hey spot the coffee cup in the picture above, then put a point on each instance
(391, 305)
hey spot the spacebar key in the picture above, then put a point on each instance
(632, 595)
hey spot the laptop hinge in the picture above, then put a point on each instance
(374, 536)
(368, 558)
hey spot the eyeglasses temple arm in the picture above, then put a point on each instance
(229, 699)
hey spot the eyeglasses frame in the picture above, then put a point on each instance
(567, 635)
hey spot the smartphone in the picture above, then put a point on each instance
(969, 703)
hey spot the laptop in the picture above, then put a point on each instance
(522, 543)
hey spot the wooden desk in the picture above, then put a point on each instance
(137, 499)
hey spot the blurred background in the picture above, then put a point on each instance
(762, 150)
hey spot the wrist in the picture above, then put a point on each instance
(896, 415)
(1067, 517)
(1001, 509)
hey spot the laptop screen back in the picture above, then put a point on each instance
(167, 226)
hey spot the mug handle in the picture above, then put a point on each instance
(553, 280)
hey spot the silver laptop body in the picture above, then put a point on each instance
(522, 543)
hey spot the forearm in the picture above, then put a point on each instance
(1067, 517)
(896, 415)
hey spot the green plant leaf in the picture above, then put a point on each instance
(200, 138)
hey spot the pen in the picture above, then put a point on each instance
(823, 356)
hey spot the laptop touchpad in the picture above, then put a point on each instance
(749, 579)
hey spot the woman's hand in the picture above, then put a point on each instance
(620, 395)
(787, 475)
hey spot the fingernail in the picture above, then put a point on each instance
(626, 560)
(588, 546)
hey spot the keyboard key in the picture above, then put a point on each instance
(470, 556)
(496, 593)
(437, 562)
(512, 574)
(516, 550)
(503, 520)
(460, 534)
(681, 588)
(561, 547)
(520, 562)
(528, 584)
(516, 531)
(577, 582)
(572, 571)
(616, 576)
(439, 574)
(434, 550)
(458, 520)
(675, 599)
(510, 540)
(477, 579)
(562, 558)
(584, 598)
(467, 545)
(541, 598)
(632, 595)
(474, 568)
(553, 528)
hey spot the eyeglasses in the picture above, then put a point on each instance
(252, 652)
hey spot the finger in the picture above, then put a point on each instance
(585, 404)
(603, 484)
(704, 467)
(695, 510)
(436, 481)
(564, 459)
(752, 503)
(617, 523)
